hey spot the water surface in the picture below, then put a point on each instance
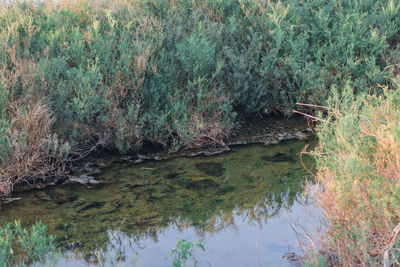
(237, 204)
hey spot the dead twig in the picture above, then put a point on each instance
(390, 66)
(301, 160)
(366, 118)
(308, 115)
(101, 142)
(311, 105)
(390, 244)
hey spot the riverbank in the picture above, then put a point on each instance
(266, 131)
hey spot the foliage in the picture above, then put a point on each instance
(183, 253)
(358, 161)
(26, 246)
(6, 235)
(175, 72)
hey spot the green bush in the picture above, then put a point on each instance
(176, 73)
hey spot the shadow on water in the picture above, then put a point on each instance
(222, 201)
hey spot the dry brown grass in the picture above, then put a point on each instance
(359, 182)
(211, 131)
(35, 151)
(208, 126)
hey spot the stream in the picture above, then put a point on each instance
(239, 204)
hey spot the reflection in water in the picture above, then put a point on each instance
(145, 208)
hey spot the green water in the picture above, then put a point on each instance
(237, 204)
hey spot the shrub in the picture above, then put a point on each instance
(29, 148)
(358, 161)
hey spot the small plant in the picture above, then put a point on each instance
(35, 242)
(26, 246)
(183, 253)
(6, 236)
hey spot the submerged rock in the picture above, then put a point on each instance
(201, 183)
(142, 181)
(93, 205)
(61, 197)
(9, 199)
(83, 179)
(211, 168)
(280, 157)
(172, 175)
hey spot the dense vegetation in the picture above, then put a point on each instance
(358, 163)
(77, 74)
